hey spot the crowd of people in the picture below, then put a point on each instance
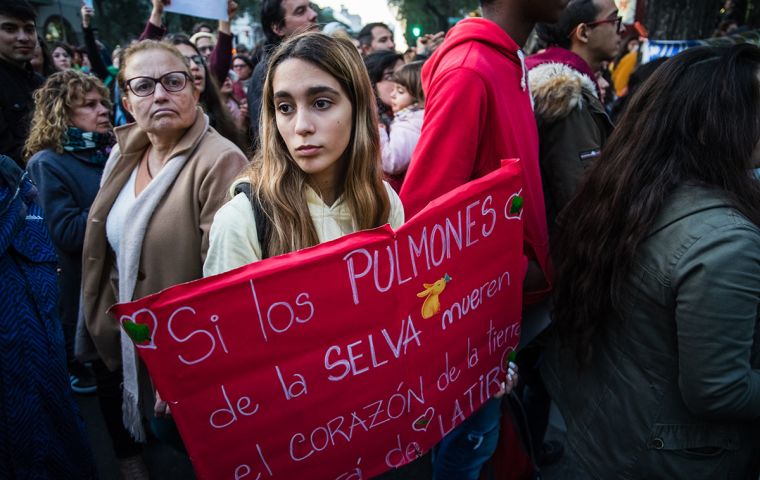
(177, 157)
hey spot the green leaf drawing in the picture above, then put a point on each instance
(138, 332)
(517, 205)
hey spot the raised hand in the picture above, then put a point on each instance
(87, 14)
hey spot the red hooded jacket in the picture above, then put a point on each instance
(478, 112)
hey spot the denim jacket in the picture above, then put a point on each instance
(673, 390)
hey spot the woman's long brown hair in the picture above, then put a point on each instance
(278, 180)
(696, 120)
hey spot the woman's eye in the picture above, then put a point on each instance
(284, 108)
(322, 104)
(141, 87)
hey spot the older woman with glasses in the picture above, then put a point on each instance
(148, 226)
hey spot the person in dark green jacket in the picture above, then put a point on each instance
(655, 358)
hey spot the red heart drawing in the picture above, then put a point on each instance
(423, 422)
(507, 214)
(143, 317)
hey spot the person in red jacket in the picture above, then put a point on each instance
(478, 112)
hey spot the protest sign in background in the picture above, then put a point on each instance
(654, 49)
(349, 358)
(216, 9)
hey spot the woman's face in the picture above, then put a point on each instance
(242, 69)
(161, 112)
(314, 118)
(37, 60)
(61, 59)
(226, 87)
(385, 85)
(197, 71)
(91, 114)
(205, 46)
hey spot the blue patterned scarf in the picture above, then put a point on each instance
(77, 140)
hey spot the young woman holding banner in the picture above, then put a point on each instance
(317, 175)
(314, 179)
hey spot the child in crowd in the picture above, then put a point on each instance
(408, 104)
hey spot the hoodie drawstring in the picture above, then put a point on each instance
(524, 81)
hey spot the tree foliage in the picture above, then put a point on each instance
(432, 15)
(696, 19)
(681, 19)
(119, 21)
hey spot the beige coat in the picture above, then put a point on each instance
(177, 236)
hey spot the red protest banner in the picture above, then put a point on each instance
(349, 358)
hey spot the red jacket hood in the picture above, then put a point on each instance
(472, 30)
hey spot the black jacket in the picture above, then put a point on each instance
(16, 106)
(255, 92)
(67, 187)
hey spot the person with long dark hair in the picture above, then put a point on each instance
(219, 58)
(381, 65)
(42, 62)
(63, 55)
(211, 100)
(655, 361)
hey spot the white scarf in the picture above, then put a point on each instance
(128, 262)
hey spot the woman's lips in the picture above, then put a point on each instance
(308, 150)
(163, 111)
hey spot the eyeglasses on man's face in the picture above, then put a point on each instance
(145, 86)
(618, 21)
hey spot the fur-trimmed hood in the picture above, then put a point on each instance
(559, 80)
(557, 89)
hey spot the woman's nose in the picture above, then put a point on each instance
(304, 123)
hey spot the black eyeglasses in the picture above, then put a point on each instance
(618, 21)
(196, 59)
(145, 86)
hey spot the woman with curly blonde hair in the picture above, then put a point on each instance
(317, 176)
(57, 112)
(70, 139)
(71, 136)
